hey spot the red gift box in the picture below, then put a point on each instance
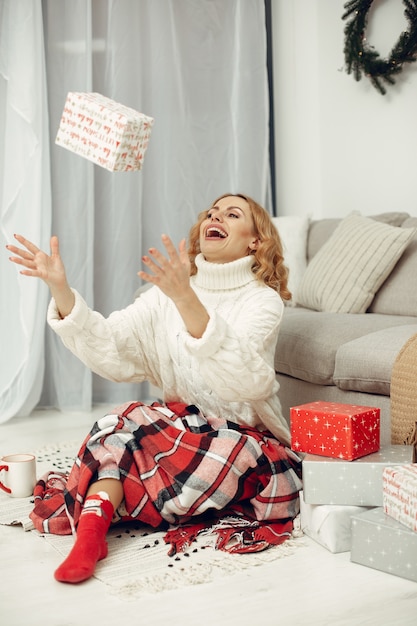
(343, 431)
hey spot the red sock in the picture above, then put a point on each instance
(90, 545)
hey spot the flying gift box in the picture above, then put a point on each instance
(343, 431)
(103, 131)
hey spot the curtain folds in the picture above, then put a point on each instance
(199, 68)
(25, 201)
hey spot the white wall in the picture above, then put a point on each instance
(340, 145)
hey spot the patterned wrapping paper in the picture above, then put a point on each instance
(329, 524)
(358, 482)
(330, 429)
(380, 542)
(103, 131)
(400, 494)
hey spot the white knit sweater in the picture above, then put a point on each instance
(228, 372)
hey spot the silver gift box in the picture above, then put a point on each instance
(380, 542)
(359, 482)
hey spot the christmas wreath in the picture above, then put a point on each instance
(361, 58)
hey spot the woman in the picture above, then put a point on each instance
(205, 334)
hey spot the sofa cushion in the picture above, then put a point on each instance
(321, 230)
(396, 296)
(309, 340)
(293, 232)
(365, 364)
(349, 268)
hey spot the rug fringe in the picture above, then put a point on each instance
(222, 565)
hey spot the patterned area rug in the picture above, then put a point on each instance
(138, 562)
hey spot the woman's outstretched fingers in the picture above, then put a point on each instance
(23, 257)
(28, 244)
(54, 246)
(152, 266)
(182, 249)
(24, 254)
(39, 264)
(170, 248)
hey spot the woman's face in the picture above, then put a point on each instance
(228, 232)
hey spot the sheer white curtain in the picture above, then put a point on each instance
(25, 201)
(199, 68)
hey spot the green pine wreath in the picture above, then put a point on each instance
(361, 58)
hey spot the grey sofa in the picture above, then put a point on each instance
(348, 357)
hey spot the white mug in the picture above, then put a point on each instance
(19, 474)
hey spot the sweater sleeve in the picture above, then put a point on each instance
(236, 358)
(112, 347)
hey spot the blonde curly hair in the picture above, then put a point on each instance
(269, 265)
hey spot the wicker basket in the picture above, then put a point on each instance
(404, 396)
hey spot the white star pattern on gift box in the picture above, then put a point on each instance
(359, 482)
(335, 430)
(381, 542)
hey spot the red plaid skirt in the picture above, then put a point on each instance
(175, 466)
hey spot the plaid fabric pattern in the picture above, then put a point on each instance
(175, 466)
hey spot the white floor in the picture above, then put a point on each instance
(310, 586)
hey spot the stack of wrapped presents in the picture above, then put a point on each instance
(357, 496)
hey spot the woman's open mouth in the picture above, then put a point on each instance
(214, 232)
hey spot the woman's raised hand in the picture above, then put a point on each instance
(50, 269)
(170, 272)
(37, 263)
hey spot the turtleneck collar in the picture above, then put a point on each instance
(218, 276)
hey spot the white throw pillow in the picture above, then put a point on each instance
(293, 232)
(346, 272)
